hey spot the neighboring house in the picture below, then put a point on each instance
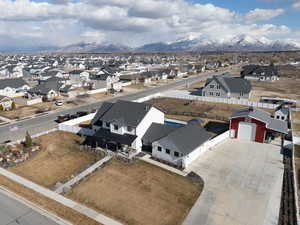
(136, 79)
(256, 125)
(123, 124)
(179, 146)
(260, 73)
(49, 89)
(13, 87)
(6, 103)
(227, 87)
(112, 81)
(282, 112)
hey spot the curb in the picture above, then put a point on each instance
(34, 207)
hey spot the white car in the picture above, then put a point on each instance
(59, 103)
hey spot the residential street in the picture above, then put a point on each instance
(46, 122)
(13, 212)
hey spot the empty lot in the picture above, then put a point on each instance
(59, 159)
(138, 193)
(243, 183)
(284, 88)
(190, 109)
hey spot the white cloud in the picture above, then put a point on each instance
(296, 5)
(263, 14)
(63, 22)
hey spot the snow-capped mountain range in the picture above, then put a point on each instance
(238, 43)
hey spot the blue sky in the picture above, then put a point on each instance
(31, 23)
(291, 18)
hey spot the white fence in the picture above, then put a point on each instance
(26, 101)
(217, 140)
(186, 95)
(101, 90)
(70, 126)
(126, 84)
(147, 98)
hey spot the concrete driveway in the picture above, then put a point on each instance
(242, 185)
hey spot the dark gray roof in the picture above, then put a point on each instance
(157, 131)
(123, 112)
(46, 86)
(105, 135)
(271, 123)
(232, 84)
(187, 138)
(13, 83)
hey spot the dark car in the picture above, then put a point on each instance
(82, 113)
(63, 118)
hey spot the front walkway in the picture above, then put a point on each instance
(83, 174)
(242, 185)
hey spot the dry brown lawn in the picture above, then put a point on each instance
(284, 88)
(137, 86)
(138, 193)
(176, 108)
(46, 203)
(296, 115)
(24, 111)
(59, 159)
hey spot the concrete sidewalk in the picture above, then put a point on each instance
(5, 119)
(61, 199)
(83, 174)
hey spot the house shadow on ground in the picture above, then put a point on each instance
(196, 91)
(216, 128)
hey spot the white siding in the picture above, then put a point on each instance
(153, 116)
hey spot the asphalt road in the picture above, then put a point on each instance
(13, 212)
(47, 122)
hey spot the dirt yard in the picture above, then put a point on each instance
(24, 111)
(284, 88)
(138, 193)
(59, 159)
(196, 109)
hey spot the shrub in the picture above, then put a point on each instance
(28, 140)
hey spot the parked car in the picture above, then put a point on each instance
(63, 118)
(59, 103)
(82, 113)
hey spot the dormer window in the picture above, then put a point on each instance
(116, 127)
(107, 124)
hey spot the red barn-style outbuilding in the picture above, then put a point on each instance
(255, 125)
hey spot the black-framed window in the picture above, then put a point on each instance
(159, 148)
(211, 86)
(129, 128)
(168, 151)
(176, 154)
(116, 127)
(107, 124)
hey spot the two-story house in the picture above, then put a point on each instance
(227, 87)
(123, 124)
(13, 87)
(260, 73)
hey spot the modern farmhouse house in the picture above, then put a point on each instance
(123, 124)
(227, 87)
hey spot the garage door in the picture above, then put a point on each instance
(247, 131)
